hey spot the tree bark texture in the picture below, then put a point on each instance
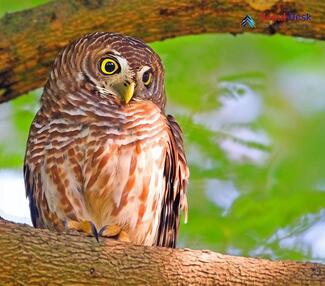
(31, 256)
(31, 39)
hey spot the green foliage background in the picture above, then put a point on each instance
(277, 200)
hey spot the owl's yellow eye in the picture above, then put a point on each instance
(147, 78)
(109, 66)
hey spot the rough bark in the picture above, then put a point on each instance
(30, 39)
(31, 256)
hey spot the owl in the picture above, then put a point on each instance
(102, 157)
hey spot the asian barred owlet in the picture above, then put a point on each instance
(102, 156)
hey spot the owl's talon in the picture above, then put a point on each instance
(114, 231)
(85, 226)
(123, 236)
(110, 231)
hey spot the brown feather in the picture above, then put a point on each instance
(176, 175)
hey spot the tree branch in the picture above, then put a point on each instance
(30, 39)
(38, 257)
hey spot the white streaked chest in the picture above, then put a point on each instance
(129, 178)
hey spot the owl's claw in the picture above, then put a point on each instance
(123, 236)
(110, 231)
(85, 226)
(89, 228)
(114, 231)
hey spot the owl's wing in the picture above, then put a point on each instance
(176, 175)
(30, 193)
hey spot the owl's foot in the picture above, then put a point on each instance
(110, 230)
(123, 236)
(84, 226)
(114, 231)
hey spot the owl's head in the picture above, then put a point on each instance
(108, 66)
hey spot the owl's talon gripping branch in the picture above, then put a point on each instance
(123, 236)
(85, 226)
(110, 231)
(114, 231)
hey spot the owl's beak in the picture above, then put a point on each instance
(128, 92)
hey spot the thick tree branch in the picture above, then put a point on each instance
(38, 257)
(30, 39)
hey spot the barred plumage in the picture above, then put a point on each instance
(101, 148)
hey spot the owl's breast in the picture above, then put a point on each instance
(124, 182)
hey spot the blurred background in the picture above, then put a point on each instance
(252, 108)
